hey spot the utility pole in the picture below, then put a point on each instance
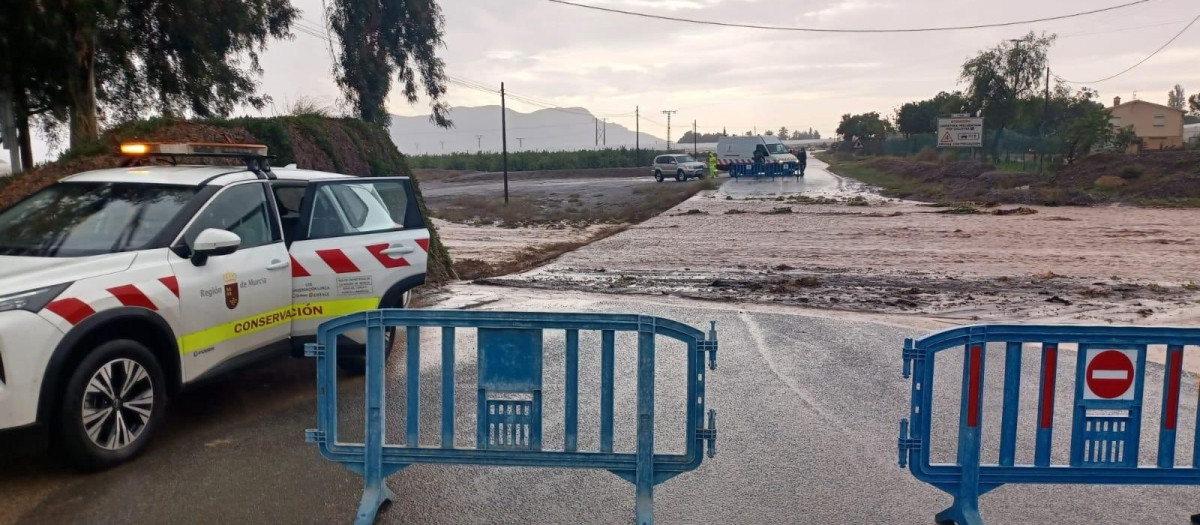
(443, 143)
(596, 130)
(504, 140)
(604, 133)
(478, 143)
(694, 150)
(668, 113)
(520, 143)
(637, 136)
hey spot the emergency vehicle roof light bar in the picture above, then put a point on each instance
(254, 155)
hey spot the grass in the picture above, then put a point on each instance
(892, 185)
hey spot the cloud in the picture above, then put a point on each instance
(846, 7)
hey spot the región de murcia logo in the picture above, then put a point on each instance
(231, 290)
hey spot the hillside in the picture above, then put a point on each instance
(543, 130)
(1159, 179)
(332, 144)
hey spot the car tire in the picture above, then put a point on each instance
(679, 176)
(113, 403)
(658, 176)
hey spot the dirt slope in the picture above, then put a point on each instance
(312, 142)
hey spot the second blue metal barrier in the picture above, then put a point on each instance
(1106, 424)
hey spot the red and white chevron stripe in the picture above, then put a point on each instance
(350, 260)
(80, 302)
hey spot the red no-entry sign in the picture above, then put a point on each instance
(1110, 374)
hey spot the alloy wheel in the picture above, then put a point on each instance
(117, 404)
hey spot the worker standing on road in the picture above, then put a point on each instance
(803, 158)
(712, 164)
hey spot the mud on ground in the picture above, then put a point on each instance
(1110, 264)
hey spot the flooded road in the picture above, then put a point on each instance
(808, 409)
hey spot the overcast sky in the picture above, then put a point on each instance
(742, 78)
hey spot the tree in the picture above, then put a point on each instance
(123, 58)
(1194, 104)
(921, 116)
(385, 38)
(1122, 139)
(868, 126)
(1084, 124)
(29, 73)
(999, 77)
(783, 133)
(770, 133)
(1176, 98)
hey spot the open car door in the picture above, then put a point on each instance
(360, 243)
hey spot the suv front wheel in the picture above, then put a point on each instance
(112, 405)
(680, 176)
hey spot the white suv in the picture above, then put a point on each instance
(682, 167)
(119, 287)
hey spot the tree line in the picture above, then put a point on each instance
(1010, 87)
(83, 64)
(536, 160)
(783, 134)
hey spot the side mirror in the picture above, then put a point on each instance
(213, 242)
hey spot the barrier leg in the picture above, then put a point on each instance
(964, 510)
(375, 491)
(644, 477)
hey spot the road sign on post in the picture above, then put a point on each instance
(960, 132)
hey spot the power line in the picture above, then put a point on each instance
(822, 30)
(1140, 62)
(1119, 29)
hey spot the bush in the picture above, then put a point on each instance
(927, 154)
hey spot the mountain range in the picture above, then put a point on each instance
(478, 128)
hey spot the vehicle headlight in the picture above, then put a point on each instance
(31, 300)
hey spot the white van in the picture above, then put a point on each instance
(740, 150)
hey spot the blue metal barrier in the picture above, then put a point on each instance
(1106, 423)
(766, 169)
(510, 365)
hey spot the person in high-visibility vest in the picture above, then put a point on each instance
(712, 164)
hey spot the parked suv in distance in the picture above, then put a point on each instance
(682, 167)
(120, 287)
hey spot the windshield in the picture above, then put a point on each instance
(776, 149)
(684, 158)
(79, 219)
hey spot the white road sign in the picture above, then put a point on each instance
(958, 132)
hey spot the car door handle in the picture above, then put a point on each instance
(278, 264)
(398, 250)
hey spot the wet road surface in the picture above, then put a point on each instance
(817, 181)
(808, 409)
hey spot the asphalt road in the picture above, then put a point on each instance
(808, 409)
